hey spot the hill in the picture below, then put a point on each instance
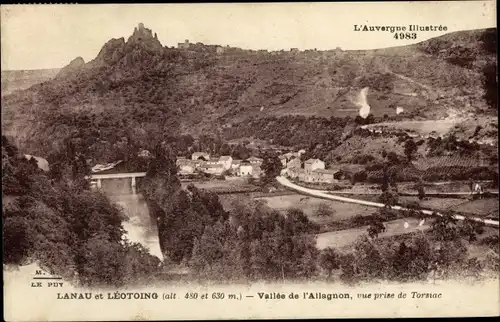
(13, 80)
(142, 90)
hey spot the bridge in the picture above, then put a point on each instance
(96, 178)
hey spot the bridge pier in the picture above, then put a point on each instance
(99, 183)
(133, 184)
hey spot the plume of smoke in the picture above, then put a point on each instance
(399, 110)
(364, 108)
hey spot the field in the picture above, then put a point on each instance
(21, 79)
(480, 207)
(441, 127)
(223, 186)
(309, 205)
(439, 204)
(345, 238)
(448, 161)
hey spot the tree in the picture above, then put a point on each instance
(469, 229)
(444, 227)
(385, 178)
(271, 165)
(324, 210)
(410, 148)
(420, 189)
(240, 152)
(392, 158)
(388, 198)
(376, 226)
(412, 260)
(490, 85)
(348, 268)
(225, 149)
(369, 261)
(329, 260)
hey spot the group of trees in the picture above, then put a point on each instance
(181, 215)
(317, 135)
(413, 257)
(439, 253)
(257, 244)
(55, 220)
(249, 243)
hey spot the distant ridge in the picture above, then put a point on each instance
(141, 86)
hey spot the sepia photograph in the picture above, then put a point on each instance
(250, 160)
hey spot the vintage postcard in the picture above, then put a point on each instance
(250, 160)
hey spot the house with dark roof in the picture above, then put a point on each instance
(198, 155)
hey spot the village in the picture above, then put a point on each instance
(311, 170)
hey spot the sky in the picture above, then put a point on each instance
(50, 36)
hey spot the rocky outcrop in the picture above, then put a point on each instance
(144, 39)
(111, 52)
(73, 67)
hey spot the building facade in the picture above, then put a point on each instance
(255, 160)
(245, 170)
(226, 161)
(313, 164)
(216, 169)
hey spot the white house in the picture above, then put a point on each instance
(144, 154)
(185, 166)
(186, 169)
(226, 161)
(254, 160)
(245, 169)
(313, 164)
(212, 161)
(216, 169)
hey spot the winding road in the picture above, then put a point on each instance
(325, 195)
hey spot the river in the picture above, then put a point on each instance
(139, 227)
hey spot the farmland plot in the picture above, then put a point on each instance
(223, 185)
(439, 204)
(344, 238)
(481, 207)
(309, 205)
